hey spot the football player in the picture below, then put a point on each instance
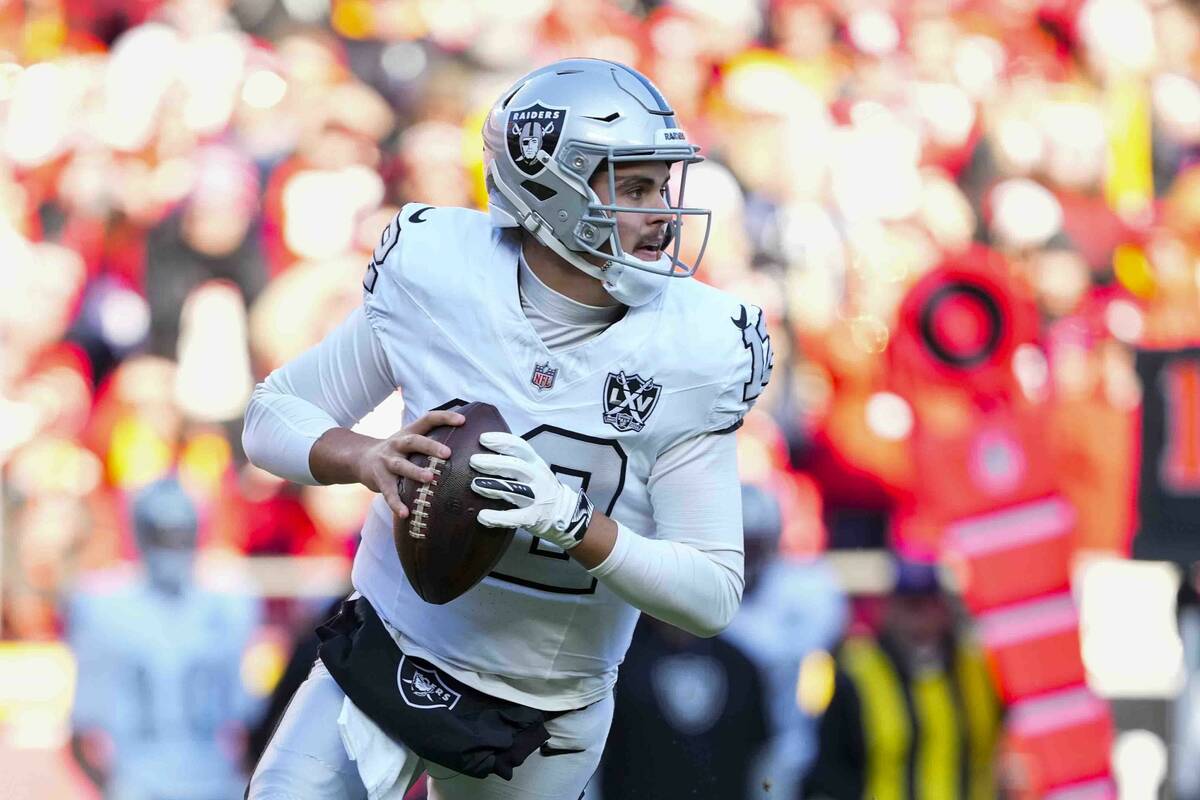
(569, 308)
(792, 608)
(159, 664)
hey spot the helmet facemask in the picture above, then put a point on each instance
(597, 226)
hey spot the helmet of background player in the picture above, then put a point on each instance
(762, 525)
(164, 524)
(545, 139)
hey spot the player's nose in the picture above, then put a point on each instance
(660, 215)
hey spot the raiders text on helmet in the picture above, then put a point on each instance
(548, 135)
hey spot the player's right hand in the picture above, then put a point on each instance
(386, 461)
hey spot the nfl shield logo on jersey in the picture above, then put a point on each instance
(424, 688)
(531, 130)
(543, 376)
(629, 400)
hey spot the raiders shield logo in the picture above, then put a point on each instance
(424, 688)
(629, 400)
(531, 130)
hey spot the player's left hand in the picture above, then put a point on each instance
(544, 506)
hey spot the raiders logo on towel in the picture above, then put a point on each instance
(531, 130)
(424, 688)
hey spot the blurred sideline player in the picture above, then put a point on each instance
(159, 705)
(622, 385)
(692, 715)
(792, 609)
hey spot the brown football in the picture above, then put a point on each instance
(442, 546)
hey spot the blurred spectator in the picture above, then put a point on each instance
(159, 707)
(701, 702)
(303, 656)
(211, 237)
(792, 609)
(913, 712)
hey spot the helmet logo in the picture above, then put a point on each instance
(531, 130)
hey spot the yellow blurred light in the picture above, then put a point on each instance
(262, 666)
(354, 19)
(472, 147)
(763, 81)
(264, 89)
(1132, 269)
(136, 454)
(814, 684)
(44, 38)
(1129, 179)
(205, 459)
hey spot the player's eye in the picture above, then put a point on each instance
(636, 193)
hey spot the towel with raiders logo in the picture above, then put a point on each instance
(420, 706)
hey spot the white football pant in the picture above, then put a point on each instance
(305, 759)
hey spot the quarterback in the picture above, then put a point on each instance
(568, 307)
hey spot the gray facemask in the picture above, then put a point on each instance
(169, 570)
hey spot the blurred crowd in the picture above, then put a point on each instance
(190, 189)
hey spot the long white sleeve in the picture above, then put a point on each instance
(691, 575)
(333, 384)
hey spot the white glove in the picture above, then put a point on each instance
(544, 506)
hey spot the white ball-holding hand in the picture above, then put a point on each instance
(543, 505)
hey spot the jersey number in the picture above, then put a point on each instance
(387, 240)
(208, 699)
(590, 464)
(757, 342)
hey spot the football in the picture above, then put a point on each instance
(442, 547)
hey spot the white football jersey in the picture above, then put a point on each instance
(441, 294)
(162, 677)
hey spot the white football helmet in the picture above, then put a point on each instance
(165, 528)
(545, 138)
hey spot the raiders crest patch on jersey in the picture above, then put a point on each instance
(531, 130)
(629, 400)
(424, 688)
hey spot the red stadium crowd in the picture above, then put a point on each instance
(190, 190)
